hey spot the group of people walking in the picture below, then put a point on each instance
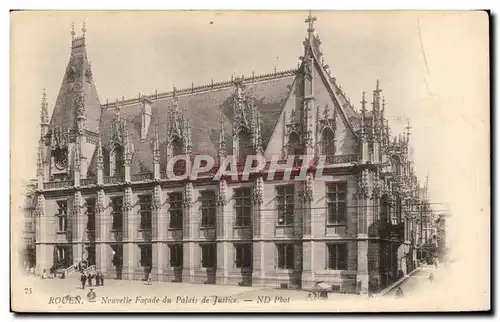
(87, 279)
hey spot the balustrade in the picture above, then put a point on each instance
(88, 181)
(58, 184)
(142, 177)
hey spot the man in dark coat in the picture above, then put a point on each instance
(83, 279)
(89, 278)
(102, 278)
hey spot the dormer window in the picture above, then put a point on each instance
(119, 160)
(328, 142)
(245, 145)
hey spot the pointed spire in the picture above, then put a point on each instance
(84, 28)
(76, 159)
(73, 31)
(156, 146)
(310, 22)
(259, 133)
(407, 128)
(382, 111)
(44, 113)
(100, 159)
(188, 137)
(222, 140)
(363, 114)
(39, 161)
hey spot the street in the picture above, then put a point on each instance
(164, 296)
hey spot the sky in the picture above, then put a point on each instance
(433, 70)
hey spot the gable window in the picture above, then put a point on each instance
(175, 201)
(286, 257)
(145, 205)
(208, 208)
(337, 256)
(90, 214)
(245, 144)
(178, 149)
(243, 207)
(294, 148)
(119, 161)
(117, 213)
(285, 200)
(62, 216)
(336, 194)
(328, 142)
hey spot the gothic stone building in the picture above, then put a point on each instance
(103, 194)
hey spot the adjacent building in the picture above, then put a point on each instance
(103, 193)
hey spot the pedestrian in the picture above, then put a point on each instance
(89, 278)
(83, 279)
(97, 277)
(431, 277)
(44, 274)
(399, 293)
(102, 279)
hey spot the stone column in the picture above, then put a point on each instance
(258, 259)
(159, 235)
(223, 232)
(129, 230)
(188, 235)
(44, 252)
(79, 223)
(362, 277)
(103, 218)
(307, 244)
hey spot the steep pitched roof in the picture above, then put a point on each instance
(78, 77)
(203, 106)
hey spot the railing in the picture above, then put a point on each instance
(340, 159)
(88, 181)
(69, 270)
(57, 184)
(91, 269)
(142, 177)
(114, 179)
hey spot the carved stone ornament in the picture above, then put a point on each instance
(127, 199)
(221, 198)
(258, 196)
(308, 192)
(80, 104)
(99, 207)
(188, 195)
(77, 203)
(40, 205)
(156, 202)
(308, 67)
(362, 185)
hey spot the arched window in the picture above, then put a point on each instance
(328, 142)
(245, 145)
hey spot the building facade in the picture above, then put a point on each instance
(104, 195)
